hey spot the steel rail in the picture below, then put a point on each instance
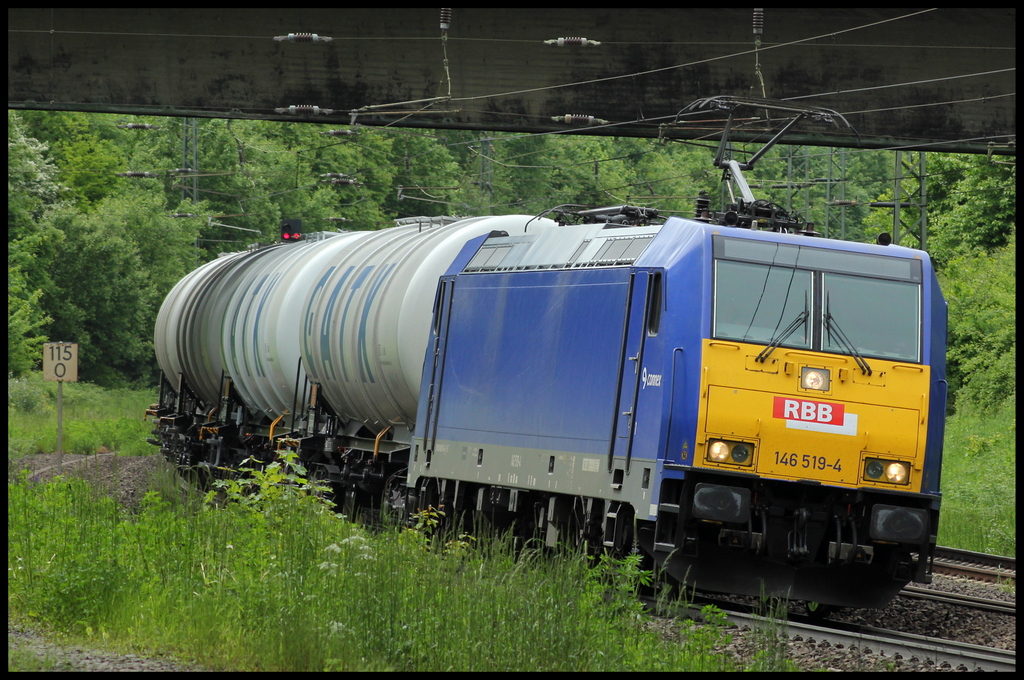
(981, 603)
(974, 564)
(889, 643)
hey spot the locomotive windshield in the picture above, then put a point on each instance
(762, 291)
(753, 303)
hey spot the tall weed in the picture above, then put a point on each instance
(280, 582)
(94, 418)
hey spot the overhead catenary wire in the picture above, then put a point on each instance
(907, 84)
(697, 62)
(509, 138)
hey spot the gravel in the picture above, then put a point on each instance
(908, 615)
(127, 478)
(56, 656)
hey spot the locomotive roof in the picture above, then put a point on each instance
(600, 245)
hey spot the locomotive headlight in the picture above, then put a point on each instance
(735, 453)
(815, 379)
(874, 469)
(740, 454)
(890, 471)
(896, 473)
(718, 451)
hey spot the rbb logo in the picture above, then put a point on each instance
(809, 411)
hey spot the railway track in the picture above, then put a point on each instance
(958, 655)
(942, 653)
(871, 640)
(983, 604)
(978, 566)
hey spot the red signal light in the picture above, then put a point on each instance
(291, 230)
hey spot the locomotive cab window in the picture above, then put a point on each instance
(654, 305)
(881, 318)
(815, 298)
(761, 303)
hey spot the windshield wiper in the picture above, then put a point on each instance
(832, 325)
(781, 337)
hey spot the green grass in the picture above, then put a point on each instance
(284, 584)
(979, 481)
(93, 418)
(288, 585)
(21, 658)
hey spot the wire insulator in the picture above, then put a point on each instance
(702, 209)
(304, 110)
(136, 174)
(303, 37)
(139, 126)
(340, 133)
(577, 119)
(571, 41)
(758, 20)
(446, 18)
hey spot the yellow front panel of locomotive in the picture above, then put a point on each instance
(822, 435)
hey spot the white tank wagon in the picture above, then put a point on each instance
(349, 312)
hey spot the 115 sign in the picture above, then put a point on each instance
(60, 361)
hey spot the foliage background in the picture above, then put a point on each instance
(91, 254)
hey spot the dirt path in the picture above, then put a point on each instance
(126, 478)
(32, 651)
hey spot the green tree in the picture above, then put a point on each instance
(32, 189)
(972, 216)
(100, 300)
(25, 323)
(110, 274)
(972, 205)
(981, 289)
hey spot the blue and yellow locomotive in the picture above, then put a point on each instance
(762, 411)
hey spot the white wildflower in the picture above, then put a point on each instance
(354, 540)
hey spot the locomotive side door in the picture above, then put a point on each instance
(631, 359)
(442, 313)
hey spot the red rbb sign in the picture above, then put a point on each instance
(825, 412)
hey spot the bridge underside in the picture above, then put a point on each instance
(938, 80)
